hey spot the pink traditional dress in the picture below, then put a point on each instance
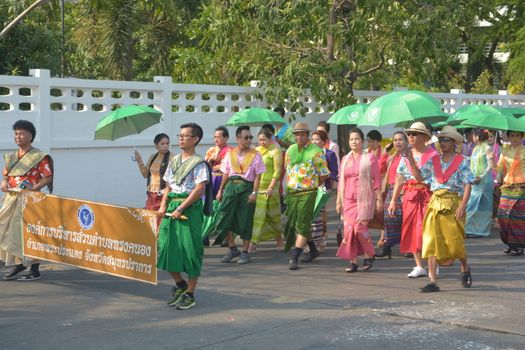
(358, 180)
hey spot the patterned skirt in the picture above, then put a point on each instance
(393, 224)
(511, 216)
(319, 229)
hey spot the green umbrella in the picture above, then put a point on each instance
(469, 111)
(126, 120)
(403, 108)
(516, 111)
(496, 122)
(255, 117)
(348, 115)
(438, 125)
(320, 201)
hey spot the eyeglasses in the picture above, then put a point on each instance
(246, 138)
(445, 139)
(180, 136)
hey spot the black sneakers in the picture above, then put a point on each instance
(15, 271)
(186, 302)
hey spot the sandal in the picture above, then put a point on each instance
(352, 268)
(466, 279)
(429, 288)
(368, 263)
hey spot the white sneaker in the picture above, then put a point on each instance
(417, 272)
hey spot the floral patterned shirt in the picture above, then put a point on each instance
(305, 176)
(462, 176)
(37, 173)
(403, 167)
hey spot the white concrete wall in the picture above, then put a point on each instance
(102, 170)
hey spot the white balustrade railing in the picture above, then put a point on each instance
(66, 111)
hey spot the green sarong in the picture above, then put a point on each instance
(209, 222)
(180, 242)
(267, 218)
(235, 213)
(300, 211)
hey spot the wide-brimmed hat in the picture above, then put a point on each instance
(301, 127)
(451, 133)
(419, 128)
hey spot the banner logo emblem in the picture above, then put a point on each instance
(86, 217)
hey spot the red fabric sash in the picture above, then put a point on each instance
(223, 152)
(443, 178)
(392, 169)
(429, 153)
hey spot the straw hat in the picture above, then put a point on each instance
(451, 133)
(301, 127)
(419, 128)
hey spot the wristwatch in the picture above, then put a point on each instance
(254, 193)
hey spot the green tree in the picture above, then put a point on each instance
(484, 25)
(31, 43)
(516, 66)
(484, 84)
(325, 46)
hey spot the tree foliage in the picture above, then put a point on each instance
(329, 47)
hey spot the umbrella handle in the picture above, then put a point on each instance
(133, 159)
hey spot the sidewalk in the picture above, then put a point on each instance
(263, 305)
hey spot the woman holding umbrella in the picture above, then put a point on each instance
(511, 211)
(154, 170)
(479, 208)
(359, 194)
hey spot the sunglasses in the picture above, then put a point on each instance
(247, 138)
(445, 139)
(412, 133)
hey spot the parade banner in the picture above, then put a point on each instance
(119, 241)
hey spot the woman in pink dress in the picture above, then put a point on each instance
(359, 194)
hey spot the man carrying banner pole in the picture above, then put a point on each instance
(180, 240)
(30, 169)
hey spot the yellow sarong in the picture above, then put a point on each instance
(443, 234)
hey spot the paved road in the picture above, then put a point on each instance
(263, 305)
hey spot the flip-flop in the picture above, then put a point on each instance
(466, 278)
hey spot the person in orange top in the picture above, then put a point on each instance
(30, 169)
(511, 210)
(216, 154)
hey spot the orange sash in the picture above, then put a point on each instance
(240, 168)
